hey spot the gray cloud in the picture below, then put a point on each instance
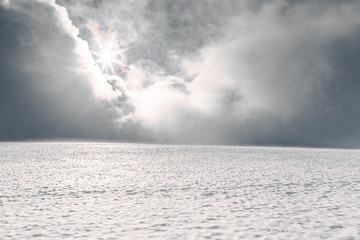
(44, 91)
(237, 72)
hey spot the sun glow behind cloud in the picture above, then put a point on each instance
(108, 49)
(108, 57)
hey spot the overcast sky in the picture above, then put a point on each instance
(236, 72)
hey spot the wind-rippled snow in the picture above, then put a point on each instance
(134, 191)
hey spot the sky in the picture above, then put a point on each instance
(233, 72)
